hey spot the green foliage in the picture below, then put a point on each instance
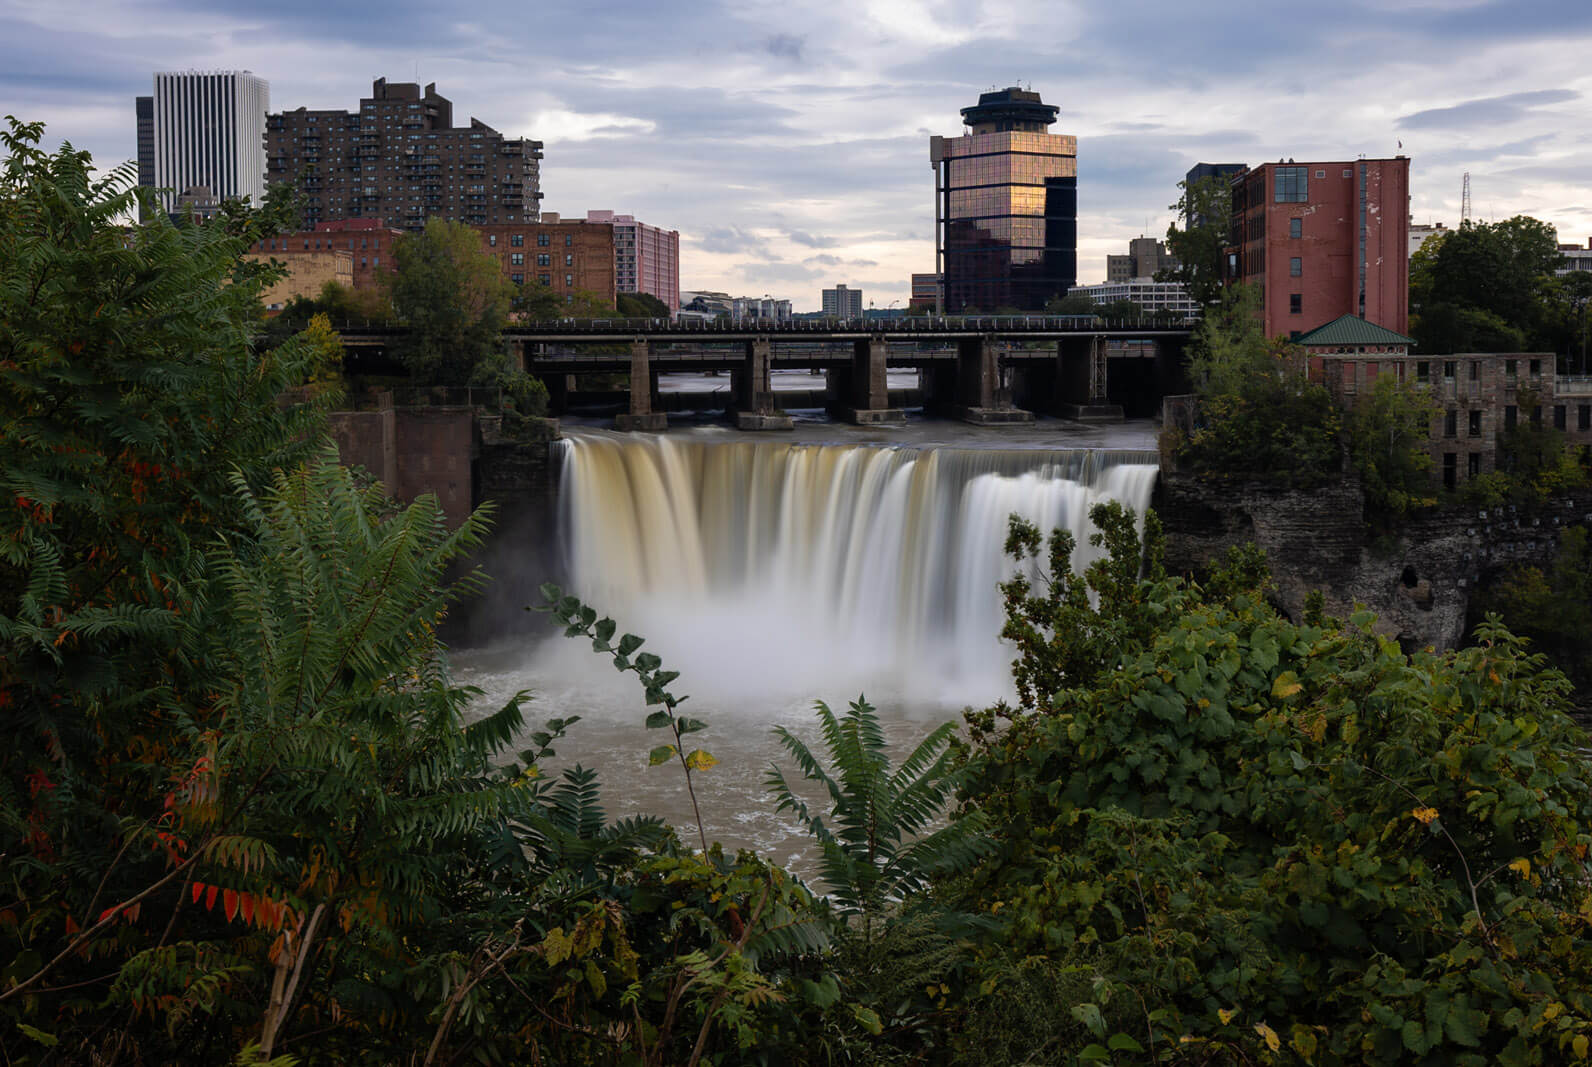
(1388, 433)
(879, 848)
(1259, 418)
(455, 300)
(1250, 834)
(1071, 304)
(641, 306)
(1199, 246)
(1553, 608)
(1485, 287)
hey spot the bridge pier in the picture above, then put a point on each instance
(1082, 382)
(643, 384)
(982, 398)
(870, 383)
(753, 390)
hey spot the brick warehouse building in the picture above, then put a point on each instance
(369, 245)
(400, 159)
(1321, 240)
(566, 256)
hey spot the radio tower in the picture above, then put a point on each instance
(1464, 201)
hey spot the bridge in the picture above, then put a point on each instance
(982, 369)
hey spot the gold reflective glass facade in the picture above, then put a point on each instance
(1007, 214)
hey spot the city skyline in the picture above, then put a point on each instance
(789, 149)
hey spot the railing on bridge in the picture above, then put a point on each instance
(899, 325)
(1573, 385)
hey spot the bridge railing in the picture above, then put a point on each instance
(741, 327)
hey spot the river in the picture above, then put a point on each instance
(775, 570)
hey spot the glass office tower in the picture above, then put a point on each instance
(1006, 206)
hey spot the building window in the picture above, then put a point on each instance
(1296, 228)
(1583, 417)
(1536, 368)
(1510, 370)
(1450, 423)
(1321, 174)
(1423, 371)
(569, 259)
(1536, 415)
(545, 279)
(1475, 371)
(517, 240)
(1291, 185)
(491, 240)
(543, 259)
(1296, 302)
(569, 240)
(1510, 416)
(1559, 413)
(1450, 470)
(541, 240)
(1475, 423)
(516, 259)
(1473, 464)
(569, 279)
(517, 279)
(1449, 367)
(1296, 267)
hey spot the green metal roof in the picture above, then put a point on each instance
(1352, 330)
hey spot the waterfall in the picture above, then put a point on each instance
(788, 572)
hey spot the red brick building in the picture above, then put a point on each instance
(368, 243)
(568, 256)
(1321, 240)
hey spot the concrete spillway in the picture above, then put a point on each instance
(783, 571)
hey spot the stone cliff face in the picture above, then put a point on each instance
(1419, 583)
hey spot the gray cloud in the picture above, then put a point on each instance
(1491, 110)
(785, 45)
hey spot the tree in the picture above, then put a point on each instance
(1481, 287)
(1388, 430)
(1071, 304)
(1243, 833)
(455, 300)
(1206, 208)
(642, 306)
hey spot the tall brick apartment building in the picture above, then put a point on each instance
(1322, 240)
(400, 159)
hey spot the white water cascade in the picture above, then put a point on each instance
(775, 574)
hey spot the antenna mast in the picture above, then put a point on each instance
(1464, 201)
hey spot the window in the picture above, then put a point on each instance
(1536, 414)
(1536, 368)
(517, 240)
(1296, 267)
(1473, 464)
(376, 262)
(1558, 416)
(517, 279)
(1475, 371)
(569, 259)
(1510, 369)
(543, 259)
(569, 279)
(491, 240)
(1450, 470)
(1450, 423)
(1510, 416)
(542, 240)
(1290, 185)
(545, 279)
(1296, 228)
(1423, 371)
(1296, 302)
(516, 259)
(569, 240)
(1321, 174)
(1475, 423)
(1449, 367)
(1583, 417)
(1348, 173)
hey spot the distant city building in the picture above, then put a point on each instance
(703, 302)
(400, 159)
(568, 257)
(764, 309)
(203, 130)
(925, 291)
(1154, 297)
(1145, 256)
(1006, 205)
(646, 258)
(1575, 258)
(1200, 171)
(369, 245)
(843, 303)
(1324, 239)
(307, 274)
(1420, 234)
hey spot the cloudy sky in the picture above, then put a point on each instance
(787, 141)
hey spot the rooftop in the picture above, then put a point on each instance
(1352, 330)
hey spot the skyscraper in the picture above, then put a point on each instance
(400, 158)
(1006, 205)
(843, 303)
(204, 130)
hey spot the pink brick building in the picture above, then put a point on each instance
(1323, 240)
(646, 258)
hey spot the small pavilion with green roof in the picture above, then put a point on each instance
(1347, 353)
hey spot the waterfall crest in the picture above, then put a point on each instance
(807, 571)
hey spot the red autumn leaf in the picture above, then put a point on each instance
(210, 897)
(130, 913)
(246, 905)
(107, 913)
(229, 899)
(198, 888)
(71, 925)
